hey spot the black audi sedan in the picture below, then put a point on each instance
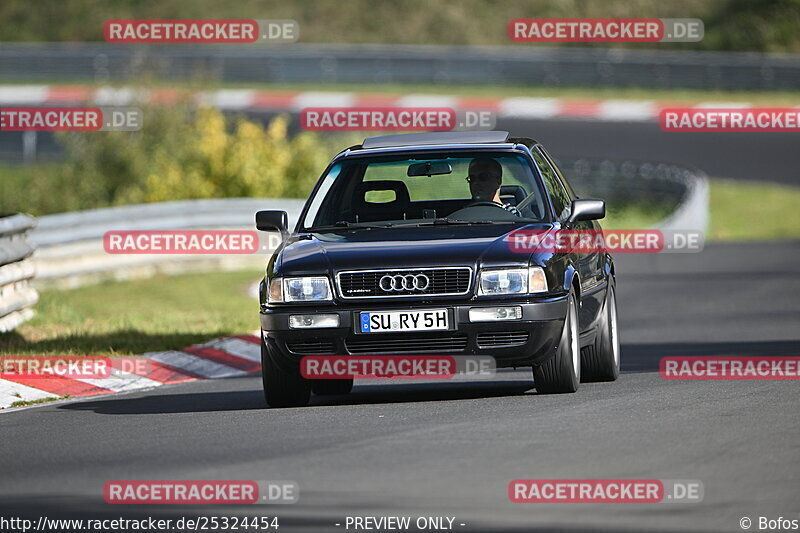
(405, 247)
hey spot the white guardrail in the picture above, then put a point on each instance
(70, 246)
(17, 296)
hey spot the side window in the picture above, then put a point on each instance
(560, 174)
(561, 199)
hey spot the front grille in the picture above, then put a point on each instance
(505, 338)
(442, 281)
(407, 345)
(318, 347)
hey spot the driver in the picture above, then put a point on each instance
(485, 177)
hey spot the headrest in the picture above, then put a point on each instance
(401, 195)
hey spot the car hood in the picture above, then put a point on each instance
(390, 248)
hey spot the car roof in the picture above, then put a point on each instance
(435, 138)
(442, 140)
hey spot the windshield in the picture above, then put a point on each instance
(479, 187)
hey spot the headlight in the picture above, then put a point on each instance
(512, 281)
(305, 289)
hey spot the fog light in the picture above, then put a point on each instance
(313, 321)
(491, 314)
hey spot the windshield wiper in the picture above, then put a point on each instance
(450, 221)
(344, 224)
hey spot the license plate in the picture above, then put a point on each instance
(399, 321)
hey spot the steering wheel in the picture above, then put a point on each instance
(484, 203)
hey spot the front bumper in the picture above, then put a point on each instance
(528, 340)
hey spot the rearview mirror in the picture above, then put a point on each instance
(587, 209)
(429, 168)
(272, 221)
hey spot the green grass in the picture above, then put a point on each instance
(753, 211)
(25, 403)
(137, 316)
(634, 216)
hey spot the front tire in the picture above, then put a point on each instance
(282, 388)
(601, 359)
(562, 372)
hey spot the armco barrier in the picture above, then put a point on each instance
(359, 63)
(70, 245)
(684, 190)
(17, 296)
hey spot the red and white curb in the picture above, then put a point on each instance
(220, 358)
(259, 100)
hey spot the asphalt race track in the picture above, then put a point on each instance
(761, 156)
(418, 449)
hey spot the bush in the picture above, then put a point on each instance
(185, 153)
(182, 152)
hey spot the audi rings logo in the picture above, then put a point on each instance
(407, 282)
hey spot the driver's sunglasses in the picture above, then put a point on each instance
(481, 176)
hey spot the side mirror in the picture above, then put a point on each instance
(272, 221)
(587, 209)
